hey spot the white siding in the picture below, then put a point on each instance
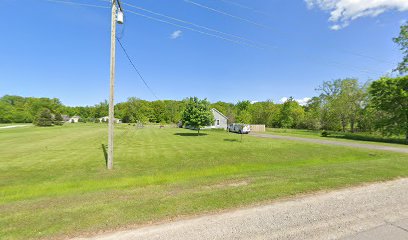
(220, 121)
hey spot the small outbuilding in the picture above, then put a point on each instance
(65, 118)
(106, 119)
(74, 119)
(220, 120)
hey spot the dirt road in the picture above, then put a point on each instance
(376, 211)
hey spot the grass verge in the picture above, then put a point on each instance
(54, 182)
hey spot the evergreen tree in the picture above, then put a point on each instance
(58, 120)
(44, 118)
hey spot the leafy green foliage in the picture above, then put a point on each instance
(343, 100)
(390, 95)
(23, 110)
(263, 112)
(402, 41)
(243, 114)
(6, 114)
(343, 104)
(325, 133)
(291, 114)
(197, 113)
(244, 117)
(136, 110)
(313, 114)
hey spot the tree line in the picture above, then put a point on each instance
(341, 105)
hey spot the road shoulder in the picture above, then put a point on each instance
(345, 213)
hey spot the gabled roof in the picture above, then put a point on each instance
(213, 109)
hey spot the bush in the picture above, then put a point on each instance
(325, 133)
(369, 137)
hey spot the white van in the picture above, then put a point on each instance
(239, 128)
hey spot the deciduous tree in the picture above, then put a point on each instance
(291, 114)
(343, 100)
(390, 95)
(197, 114)
(402, 41)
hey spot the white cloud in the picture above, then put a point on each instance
(342, 12)
(336, 27)
(176, 34)
(301, 101)
(284, 99)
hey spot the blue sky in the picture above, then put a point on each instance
(51, 49)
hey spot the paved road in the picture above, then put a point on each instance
(376, 211)
(329, 142)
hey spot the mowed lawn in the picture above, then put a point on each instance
(53, 181)
(365, 138)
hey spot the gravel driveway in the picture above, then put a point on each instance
(13, 126)
(376, 211)
(336, 143)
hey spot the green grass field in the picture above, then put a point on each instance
(54, 184)
(365, 138)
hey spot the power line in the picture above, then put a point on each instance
(137, 71)
(366, 71)
(254, 10)
(245, 7)
(367, 56)
(198, 26)
(236, 36)
(227, 14)
(332, 61)
(120, 5)
(76, 3)
(163, 21)
(220, 37)
(210, 29)
(195, 30)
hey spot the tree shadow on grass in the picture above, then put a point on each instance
(190, 134)
(357, 137)
(105, 154)
(231, 140)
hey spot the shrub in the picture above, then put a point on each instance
(325, 133)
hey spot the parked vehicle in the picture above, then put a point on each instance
(239, 128)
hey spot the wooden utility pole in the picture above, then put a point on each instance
(112, 87)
